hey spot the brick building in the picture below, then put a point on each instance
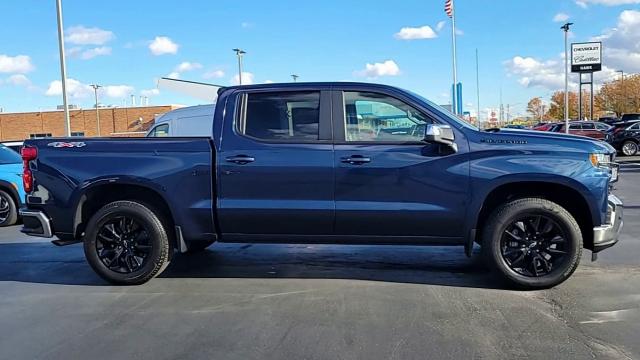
(121, 121)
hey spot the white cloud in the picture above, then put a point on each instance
(387, 68)
(187, 66)
(117, 91)
(80, 35)
(18, 80)
(585, 3)
(622, 43)
(560, 17)
(440, 26)
(163, 45)
(268, 81)
(99, 51)
(246, 25)
(532, 72)
(173, 75)
(247, 79)
(77, 90)
(416, 33)
(213, 74)
(19, 64)
(150, 92)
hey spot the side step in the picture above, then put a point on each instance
(65, 242)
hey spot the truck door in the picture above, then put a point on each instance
(388, 181)
(275, 167)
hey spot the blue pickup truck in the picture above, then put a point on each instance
(340, 163)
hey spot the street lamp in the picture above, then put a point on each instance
(63, 67)
(95, 92)
(295, 77)
(239, 53)
(565, 27)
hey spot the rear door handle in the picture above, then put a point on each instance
(356, 160)
(241, 159)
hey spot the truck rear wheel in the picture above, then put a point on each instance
(126, 243)
(533, 243)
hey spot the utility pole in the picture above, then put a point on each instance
(95, 92)
(63, 67)
(565, 27)
(239, 52)
(295, 77)
(624, 93)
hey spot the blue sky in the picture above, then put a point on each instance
(127, 45)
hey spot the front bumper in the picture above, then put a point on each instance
(35, 223)
(606, 235)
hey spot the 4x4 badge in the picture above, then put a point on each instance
(61, 144)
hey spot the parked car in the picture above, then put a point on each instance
(544, 127)
(630, 117)
(344, 163)
(191, 121)
(513, 126)
(608, 119)
(626, 138)
(592, 129)
(11, 189)
(14, 145)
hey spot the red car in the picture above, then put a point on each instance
(592, 129)
(544, 127)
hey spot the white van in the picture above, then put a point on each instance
(184, 122)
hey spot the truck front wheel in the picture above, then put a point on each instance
(126, 243)
(533, 243)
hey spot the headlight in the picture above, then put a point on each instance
(600, 160)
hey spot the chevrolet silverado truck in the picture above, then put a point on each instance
(339, 163)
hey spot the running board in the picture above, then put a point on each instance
(65, 242)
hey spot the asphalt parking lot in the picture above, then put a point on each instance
(319, 302)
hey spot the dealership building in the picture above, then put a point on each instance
(114, 121)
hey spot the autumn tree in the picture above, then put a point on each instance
(537, 108)
(620, 97)
(556, 108)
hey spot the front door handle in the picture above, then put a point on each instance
(241, 159)
(356, 160)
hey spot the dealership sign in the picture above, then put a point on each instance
(586, 57)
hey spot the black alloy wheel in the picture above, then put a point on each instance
(123, 244)
(534, 246)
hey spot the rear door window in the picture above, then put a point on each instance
(281, 116)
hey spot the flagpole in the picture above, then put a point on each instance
(455, 67)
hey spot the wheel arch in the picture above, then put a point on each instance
(99, 193)
(11, 190)
(568, 195)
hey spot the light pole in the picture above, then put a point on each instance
(239, 53)
(63, 67)
(295, 77)
(565, 27)
(95, 92)
(624, 94)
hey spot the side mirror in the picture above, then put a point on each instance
(440, 134)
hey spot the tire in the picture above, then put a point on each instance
(521, 262)
(629, 148)
(8, 210)
(140, 252)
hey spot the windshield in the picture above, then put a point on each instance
(8, 156)
(446, 113)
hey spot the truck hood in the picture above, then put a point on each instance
(567, 140)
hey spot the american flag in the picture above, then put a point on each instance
(448, 7)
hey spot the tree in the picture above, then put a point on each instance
(556, 109)
(536, 108)
(620, 96)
